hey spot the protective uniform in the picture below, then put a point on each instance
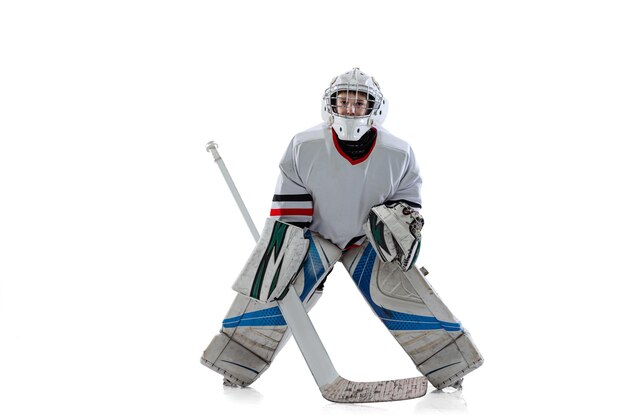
(331, 176)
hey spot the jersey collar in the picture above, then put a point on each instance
(346, 156)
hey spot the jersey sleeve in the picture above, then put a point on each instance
(409, 188)
(292, 203)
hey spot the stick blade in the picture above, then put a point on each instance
(346, 391)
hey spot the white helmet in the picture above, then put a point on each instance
(353, 127)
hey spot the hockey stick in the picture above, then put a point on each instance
(332, 386)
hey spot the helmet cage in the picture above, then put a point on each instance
(373, 95)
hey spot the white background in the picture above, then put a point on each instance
(119, 240)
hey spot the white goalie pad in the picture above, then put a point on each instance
(274, 262)
(410, 308)
(394, 231)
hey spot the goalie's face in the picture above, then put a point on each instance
(351, 103)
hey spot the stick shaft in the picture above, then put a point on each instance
(308, 340)
(212, 148)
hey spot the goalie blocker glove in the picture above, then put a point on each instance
(394, 230)
(274, 263)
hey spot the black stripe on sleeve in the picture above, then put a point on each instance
(292, 198)
(408, 202)
(298, 224)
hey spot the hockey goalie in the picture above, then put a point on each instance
(348, 191)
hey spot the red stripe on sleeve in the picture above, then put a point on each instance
(291, 211)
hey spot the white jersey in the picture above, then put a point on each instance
(319, 186)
